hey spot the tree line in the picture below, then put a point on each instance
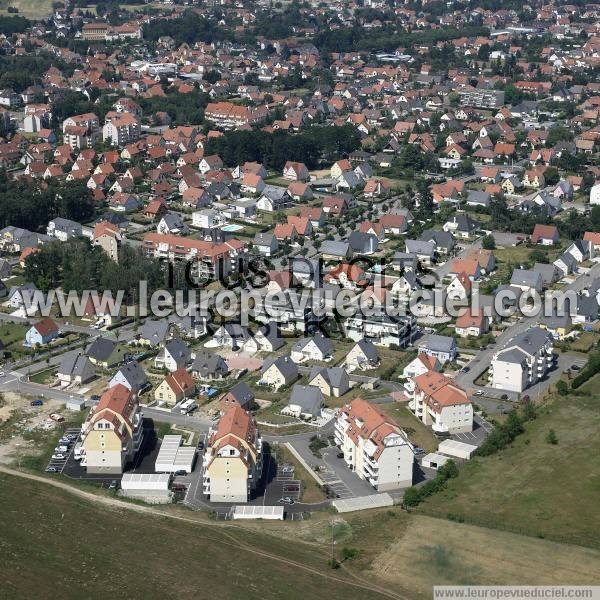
(189, 29)
(31, 205)
(76, 265)
(274, 149)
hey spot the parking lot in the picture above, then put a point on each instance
(57, 465)
(480, 430)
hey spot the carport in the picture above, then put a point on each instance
(363, 503)
(456, 449)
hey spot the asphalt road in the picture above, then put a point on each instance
(484, 357)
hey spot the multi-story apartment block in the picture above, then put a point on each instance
(523, 361)
(382, 329)
(374, 447)
(81, 131)
(439, 403)
(212, 260)
(233, 459)
(229, 116)
(121, 128)
(481, 98)
(113, 432)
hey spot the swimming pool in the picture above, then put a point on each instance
(232, 227)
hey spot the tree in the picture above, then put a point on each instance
(562, 387)
(551, 176)
(551, 437)
(488, 242)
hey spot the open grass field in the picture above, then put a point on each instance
(433, 551)
(534, 487)
(32, 9)
(50, 537)
(96, 547)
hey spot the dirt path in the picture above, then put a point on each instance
(233, 541)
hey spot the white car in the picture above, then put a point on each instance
(479, 393)
(58, 456)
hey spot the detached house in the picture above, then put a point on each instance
(295, 171)
(175, 387)
(278, 372)
(41, 333)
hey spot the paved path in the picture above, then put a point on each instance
(484, 357)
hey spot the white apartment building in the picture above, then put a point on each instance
(121, 128)
(439, 403)
(374, 447)
(523, 361)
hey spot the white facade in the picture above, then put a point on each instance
(386, 465)
(595, 194)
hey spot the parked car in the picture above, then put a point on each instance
(575, 367)
(286, 500)
(113, 484)
(51, 469)
(180, 472)
(201, 445)
(58, 456)
(36, 402)
(479, 393)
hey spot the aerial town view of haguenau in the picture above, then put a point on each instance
(299, 299)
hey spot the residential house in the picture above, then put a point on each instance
(239, 395)
(332, 381)
(317, 347)
(107, 353)
(441, 347)
(172, 356)
(209, 366)
(305, 402)
(41, 333)
(471, 323)
(132, 376)
(175, 387)
(277, 372)
(75, 369)
(363, 355)
(547, 235)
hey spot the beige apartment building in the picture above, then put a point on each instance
(233, 458)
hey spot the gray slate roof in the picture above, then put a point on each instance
(308, 397)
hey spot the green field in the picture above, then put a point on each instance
(534, 487)
(89, 544)
(32, 9)
(50, 537)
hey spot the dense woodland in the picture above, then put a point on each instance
(77, 265)
(32, 205)
(274, 149)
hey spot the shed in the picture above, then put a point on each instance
(152, 488)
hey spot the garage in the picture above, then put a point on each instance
(456, 449)
(434, 461)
